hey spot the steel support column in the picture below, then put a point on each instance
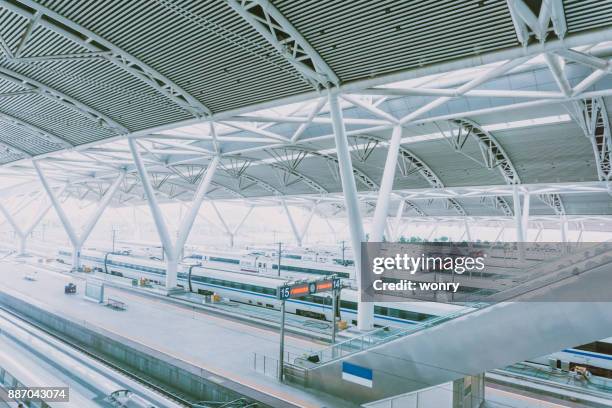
(74, 239)
(468, 233)
(198, 198)
(308, 221)
(240, 224)
(226, 228)
(24, 234)
(296, 233)
(365, 311)
(520, 236)
(564, 230)
(386, 186)
(16, 228)
(158, 218)
(106, 199)
(398, 220)
(525, 216)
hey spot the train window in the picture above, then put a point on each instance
(269, 306)
(380, 310)
(347, 304)
(407, 315)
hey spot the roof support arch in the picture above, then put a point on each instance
(282, 35)
(592, 116)
(63, 99)
(108, 51)
(363, 178)
(34, 130)
(409, 162)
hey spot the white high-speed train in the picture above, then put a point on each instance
(255, 289)
(266, 262)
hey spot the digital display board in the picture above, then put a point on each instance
(297, 290)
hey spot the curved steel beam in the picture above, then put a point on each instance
(220, 186)
(502, 204)
(282, 35)
(190, 181)
(553, 201)
(63, 99)
(34, 130)
(592, 116)
(267, 186)
(14, 149)
(240, 173)
(492, 152)
(225, 188)
(411, 162)
(359, 174)
(412, 206)
(108, 51)
(454, 204)
(292, 170)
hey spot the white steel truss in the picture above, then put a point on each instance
(92, 114)
(554, 202)
(410, 163)
(282, 35)
(527, 23)
(287, 162)
(592, 117)
(492, 154)
(98, 47)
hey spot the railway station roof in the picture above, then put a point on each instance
(488, 95)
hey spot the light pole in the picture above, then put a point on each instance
(279, 258)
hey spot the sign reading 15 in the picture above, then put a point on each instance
(284, 292)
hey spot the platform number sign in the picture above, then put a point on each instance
(284, 292)
(297, 290)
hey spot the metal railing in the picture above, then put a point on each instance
(375, 338)
(598, 386)
(269, 367)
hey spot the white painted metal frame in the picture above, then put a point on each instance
(365, 311)
(76, 239)
(171, 250)
(282, 35)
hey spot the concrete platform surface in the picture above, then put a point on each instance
(222, 347)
